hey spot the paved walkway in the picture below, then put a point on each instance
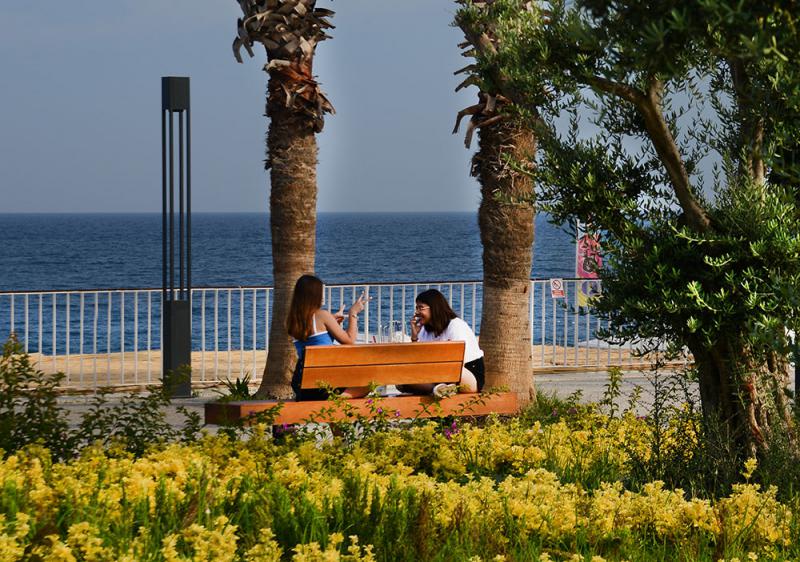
(592, 385)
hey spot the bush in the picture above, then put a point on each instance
(136, 423)
(395, 495)
(30, 413)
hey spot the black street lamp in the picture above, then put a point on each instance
(176, 325)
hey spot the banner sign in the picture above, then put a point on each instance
(588, 262)
(588, 289)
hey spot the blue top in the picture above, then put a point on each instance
(323, 338)
(317, 338)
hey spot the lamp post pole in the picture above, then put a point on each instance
(176, 326)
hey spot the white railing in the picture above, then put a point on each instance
(113, 337)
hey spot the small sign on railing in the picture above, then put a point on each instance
(557, 289)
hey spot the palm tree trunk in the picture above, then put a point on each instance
(506, 221)
(292, 158)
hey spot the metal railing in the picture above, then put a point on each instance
(113, 337)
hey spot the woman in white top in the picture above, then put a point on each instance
(434, 320)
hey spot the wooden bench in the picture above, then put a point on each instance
(380, 364)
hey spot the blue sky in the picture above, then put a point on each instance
(80, 107)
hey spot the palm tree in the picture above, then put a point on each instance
(289, 30)
(506, 151)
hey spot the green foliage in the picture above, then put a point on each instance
(30, 413)
(682, 449)
(254, 424)
(135, 423)
(671, 130)
(238, 389)
(544, 482)
(736, 282)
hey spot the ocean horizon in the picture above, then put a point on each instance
(71, 251)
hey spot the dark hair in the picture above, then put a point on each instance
(441, 313)
(306, 300)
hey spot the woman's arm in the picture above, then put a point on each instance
(333, 327)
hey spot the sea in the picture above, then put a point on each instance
(108, 251)
(70, 252)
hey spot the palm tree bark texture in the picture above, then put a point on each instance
(289, 31)
(506, 214)
(506, 221)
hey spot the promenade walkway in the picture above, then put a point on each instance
(591, 383)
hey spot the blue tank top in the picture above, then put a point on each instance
(318, 338)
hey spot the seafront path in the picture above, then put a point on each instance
(592, 384)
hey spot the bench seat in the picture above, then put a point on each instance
(380, 364)
(400, 407)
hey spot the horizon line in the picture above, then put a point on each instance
(6, 213)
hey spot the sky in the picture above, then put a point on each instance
(80, 124)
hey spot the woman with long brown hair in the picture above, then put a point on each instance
(310, 324)
(435, 320)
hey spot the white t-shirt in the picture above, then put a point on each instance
(457, 330)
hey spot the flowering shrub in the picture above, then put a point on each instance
(506, 490)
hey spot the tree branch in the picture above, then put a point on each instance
(649, 106)
(624, 91)
(753, 128)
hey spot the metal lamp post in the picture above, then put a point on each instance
(176, 323)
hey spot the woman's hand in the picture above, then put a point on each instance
(339, 314)
(358, 305)
(415, 324)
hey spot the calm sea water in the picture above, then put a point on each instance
(93, 251)
(87, 251)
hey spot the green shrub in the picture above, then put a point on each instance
(30, 413)
(238, 389)
(136, 423)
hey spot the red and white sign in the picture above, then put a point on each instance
(557, 289)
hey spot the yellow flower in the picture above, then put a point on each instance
(12, 546)
(266, 550)
(749, 467)
(201, 543)
(756, 517)
(54, 551)
(312, 552)
(82, 539)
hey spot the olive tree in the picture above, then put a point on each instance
(670, 128)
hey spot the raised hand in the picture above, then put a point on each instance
(359, 304)
(339, 314)
(415, 325)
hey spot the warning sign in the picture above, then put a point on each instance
(557, 289)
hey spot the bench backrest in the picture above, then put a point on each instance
(383, 363)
